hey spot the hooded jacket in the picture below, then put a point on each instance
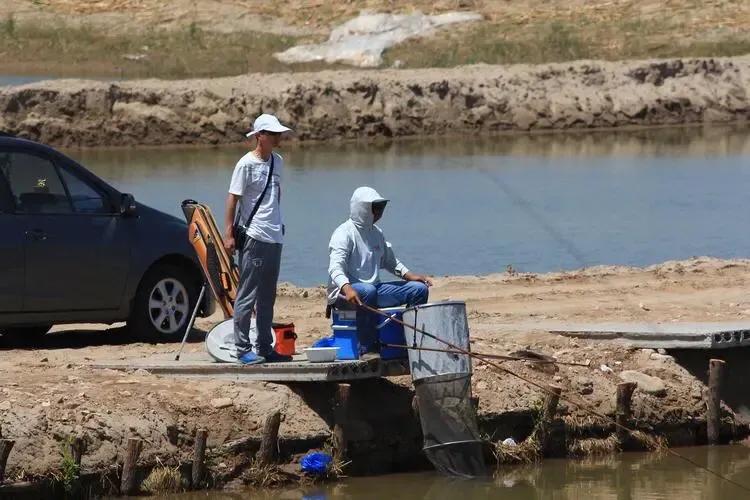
(358, 250)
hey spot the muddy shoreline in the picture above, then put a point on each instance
(51, 393)
(331, 105)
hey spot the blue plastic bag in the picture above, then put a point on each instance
(316, 463)
(324, 342)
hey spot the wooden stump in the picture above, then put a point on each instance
(5, 446)
(715, 377)
(128, 484)
(340, 417)
(269, 441)
(624, 399)
(551, 400)
(77, 449)
(199, 457)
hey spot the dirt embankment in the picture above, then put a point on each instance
(49, 394)
(390, 103)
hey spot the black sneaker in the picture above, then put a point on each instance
(275, 357)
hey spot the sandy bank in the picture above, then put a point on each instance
(390, 103)
(49, 394)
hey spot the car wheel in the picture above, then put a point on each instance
(163, 304)
(27, 331)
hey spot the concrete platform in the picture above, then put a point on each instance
(201, 365)
(688, 335)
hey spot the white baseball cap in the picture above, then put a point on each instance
(268, 123)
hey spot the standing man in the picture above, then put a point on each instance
(358, 251)
(256, 231)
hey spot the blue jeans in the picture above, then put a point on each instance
(391, 294)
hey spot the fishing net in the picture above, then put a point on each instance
(449, 426)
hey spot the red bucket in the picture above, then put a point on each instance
(285, 338)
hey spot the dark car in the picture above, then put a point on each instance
(74, 249)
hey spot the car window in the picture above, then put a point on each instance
(34, 184)
(83, 196)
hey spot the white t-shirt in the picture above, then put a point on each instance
(248, 180)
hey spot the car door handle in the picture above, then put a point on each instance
(36, 235)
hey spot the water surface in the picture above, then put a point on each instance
(628, 476)
(475, 205)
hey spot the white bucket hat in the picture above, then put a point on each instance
(268, 123)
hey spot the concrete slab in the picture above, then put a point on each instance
(685, 335)
(201, 365)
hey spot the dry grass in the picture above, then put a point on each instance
(648, 442)
(578, 425)
(527, 452)
(594, 446)
(263, 475)
(163, 479)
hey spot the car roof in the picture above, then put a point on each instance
(7, 139)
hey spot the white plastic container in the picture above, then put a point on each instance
(321, 354)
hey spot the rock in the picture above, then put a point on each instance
(5, 406)
(646, 383)
(584, 386)
(605, 369)
(44, 360)
(221, 403)
(655, 356)
(661, 351)
(482, 385)
(509, 442)
(142, 372)
(557, 378)
(361, 41)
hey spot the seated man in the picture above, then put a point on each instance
(358, 251)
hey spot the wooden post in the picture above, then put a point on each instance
(199, 457)
(475, 404)
(5, 446)
(624, 398)
(270, 439)
(128, 485)
(551, 399)
(77, 449)
(340, 416)
(715, 376)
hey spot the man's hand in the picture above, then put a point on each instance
(418, 277)
(351, 295)
(229, 243)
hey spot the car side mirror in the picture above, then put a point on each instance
(127, 205)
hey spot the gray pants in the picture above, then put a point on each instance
(259, 273)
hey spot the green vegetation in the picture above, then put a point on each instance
(69, 469)
(81, 50)
(558, 41)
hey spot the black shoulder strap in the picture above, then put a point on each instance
(262, 195)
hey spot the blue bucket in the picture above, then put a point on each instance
(391, 332)
(345, 338)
